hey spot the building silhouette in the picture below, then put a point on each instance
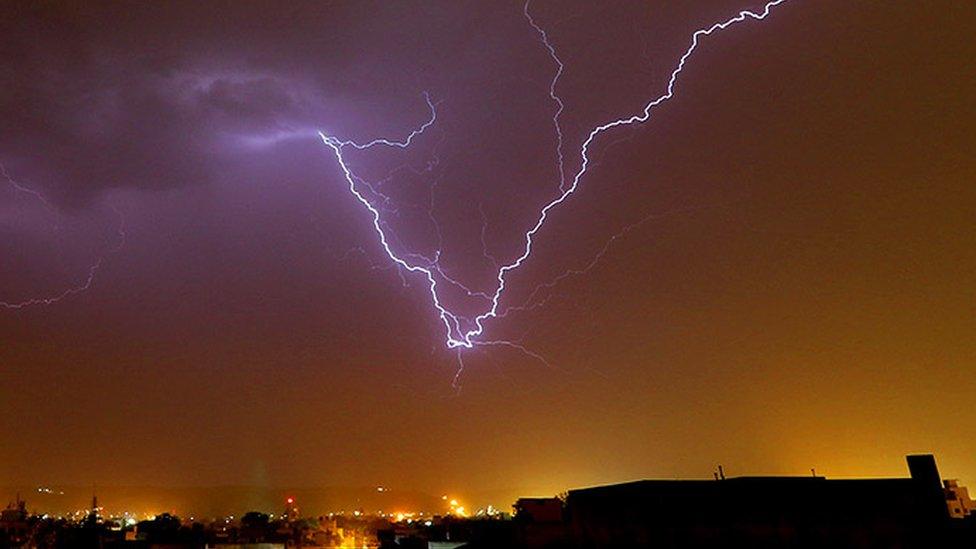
(767, 512)
(14, 523)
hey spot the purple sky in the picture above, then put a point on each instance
(799, 292)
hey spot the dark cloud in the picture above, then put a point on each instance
(107, 122)
(158, 96)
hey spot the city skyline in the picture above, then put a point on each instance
(919, 510)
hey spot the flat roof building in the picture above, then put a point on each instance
(764, 512)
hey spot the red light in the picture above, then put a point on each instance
(291, 500)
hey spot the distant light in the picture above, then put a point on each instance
(291, 500)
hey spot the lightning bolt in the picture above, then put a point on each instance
(552, 93)
(530, 302)
(25, 189)
(457, 337)
(92, 269)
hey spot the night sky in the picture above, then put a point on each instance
(791, 284)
